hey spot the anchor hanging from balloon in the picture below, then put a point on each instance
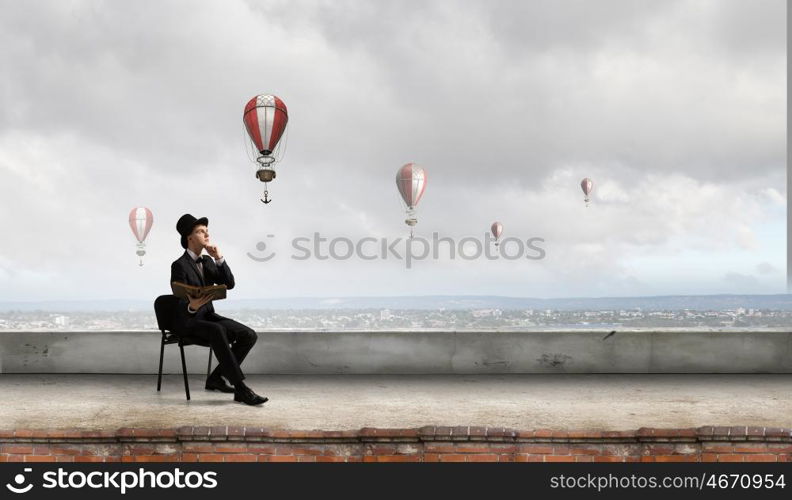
(411, 181)
(265, 118)
(140, 220)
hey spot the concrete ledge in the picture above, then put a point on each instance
(137, 352)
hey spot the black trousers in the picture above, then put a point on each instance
(230, 340)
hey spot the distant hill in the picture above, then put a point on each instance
(778, 302)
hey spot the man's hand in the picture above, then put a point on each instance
(196, 301)
(214, 252)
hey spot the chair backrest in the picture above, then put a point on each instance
(165, 309)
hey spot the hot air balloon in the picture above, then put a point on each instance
(411, 181)
(587, 185)
(140, 220)
(265, 119)
(497, 229)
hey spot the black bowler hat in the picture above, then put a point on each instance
(186, 224)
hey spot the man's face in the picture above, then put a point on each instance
(199, 235)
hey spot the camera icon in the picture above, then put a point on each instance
(19, 480)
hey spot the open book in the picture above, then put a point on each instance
(184, 291)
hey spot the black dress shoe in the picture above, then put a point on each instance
(247, 396)
(218, 384)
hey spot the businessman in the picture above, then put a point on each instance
(231, 341)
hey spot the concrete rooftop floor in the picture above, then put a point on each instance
(346, 402)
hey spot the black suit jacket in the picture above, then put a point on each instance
(184, 270)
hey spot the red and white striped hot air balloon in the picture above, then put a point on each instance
(587, 185)
(265, 118)
(497, 229)
(411, 181)
(140, 220)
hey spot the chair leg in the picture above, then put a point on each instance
(209, 366)
(184, 371)
(162, 353)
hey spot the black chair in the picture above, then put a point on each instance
(165, 309)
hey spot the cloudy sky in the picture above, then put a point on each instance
(676, 110)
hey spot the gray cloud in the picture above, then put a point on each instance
(676, 109)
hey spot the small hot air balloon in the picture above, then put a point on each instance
(265, 119)
(411, 181)
(140, 220)
(587, 185)
(497, 229)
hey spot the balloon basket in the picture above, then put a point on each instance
(265, 174)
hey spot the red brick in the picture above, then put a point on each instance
(198, 447)
(761, 458)
(231, 448)
(584, 458)
(322, 458)
(12, 449)
(505, 458)
(282, 458)
(731, 458)
(561, 450)
(523, 457)
(717, 448)
(709, 457)
(750, 448)
(559, 458)
(400, 458)
(306, 458)
(39, 458)
(61, 458)
(218, 431)
(189, 457)
(477, 432)
(483, 457)
(586, 451)
(155, 458)
(210, 457)
(66, 450)
(535, 449)
(89, 459)
(257, 432)
(431, 457)
(261, 450)
(580, 434)
(676, 458)
(452, 457)
(543, 433)
(241, 458)
(608, 459)
(460, 432)
(442, 447)
(299, 450)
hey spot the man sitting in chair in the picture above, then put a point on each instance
(197, 317)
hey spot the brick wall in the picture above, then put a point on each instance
(426, 444)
